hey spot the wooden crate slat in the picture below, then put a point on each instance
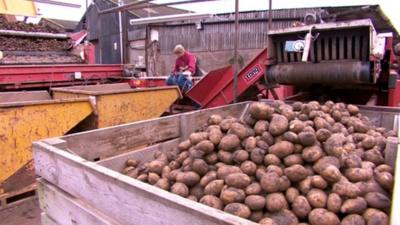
(46, 220)
(64, 209)
(128, 200)
(112, 141)
(117, 163)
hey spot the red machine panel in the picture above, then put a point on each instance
(42, 76)
(216, 88)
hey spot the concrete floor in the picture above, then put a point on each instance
(25, 212)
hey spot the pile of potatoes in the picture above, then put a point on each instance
(282, 165)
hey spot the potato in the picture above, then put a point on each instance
(153, 178)
(238, 180)
(214, 187)
(256, 216)
(295, 173)
(383, 168)
(197, 137)
(271, 159)
(334, 142)
(132, 162)
(188, 178)
(225, 157)
(267, 221)
(305, 185)
(231, 194)
(312, 153)
(325, 161)
(284, 183)
(142, 177)
(197, 191)
(353, 110)
(375, 217)
(229, 142)
(212, 201)
(214, 119)
(248, 167)
(250, 143)
(354, 205)
(205, 146)
(368, 142)
(255, 202)
(319, 182)
(253, 189)
(377, 200)
(291, 137)
(180, 189)
(225, 170)
(278, 125)
(261, 126)
(346, 189)
(215, 135)
(240, 156)
(208, 177)
(352, 161)
(301, 207)
(262, 144)
(293, 159)
(334, 203)
(200, 167)
(291, 194)
(385, 179)
(162, 183)
(267, 137)
(156, 166)
(322, 134)
(184, 145)
(260, 111)
(257, 155)
(321, 123)
(283, 217)
(248, 120)
(270, 182)
(307, 138)
(353, 219)
(321, 216)
(374, 156)
(239, 130)
(281, 149)
(274, 169)
(296, 126)
(226, 123)
(276, 202)
(238, 209)
(317, 198)
(331, 174)
(192, 197)
(358, 174)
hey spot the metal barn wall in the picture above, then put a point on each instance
(218, 34)
(214, 43)
(104, 31)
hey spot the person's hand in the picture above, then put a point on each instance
(187, 73)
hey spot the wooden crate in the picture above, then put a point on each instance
(80, 181)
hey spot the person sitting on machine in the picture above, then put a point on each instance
(185, 67)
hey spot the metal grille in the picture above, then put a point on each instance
(330, 45)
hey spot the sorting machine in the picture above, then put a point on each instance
(341, 61)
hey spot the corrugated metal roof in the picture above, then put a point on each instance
(158, 11)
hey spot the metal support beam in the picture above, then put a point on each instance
(235, 61)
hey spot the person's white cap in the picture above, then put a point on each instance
(179, 49)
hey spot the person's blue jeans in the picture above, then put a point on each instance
(181, 80)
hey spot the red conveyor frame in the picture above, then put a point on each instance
(44, 76)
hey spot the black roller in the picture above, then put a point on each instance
(346, 72)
